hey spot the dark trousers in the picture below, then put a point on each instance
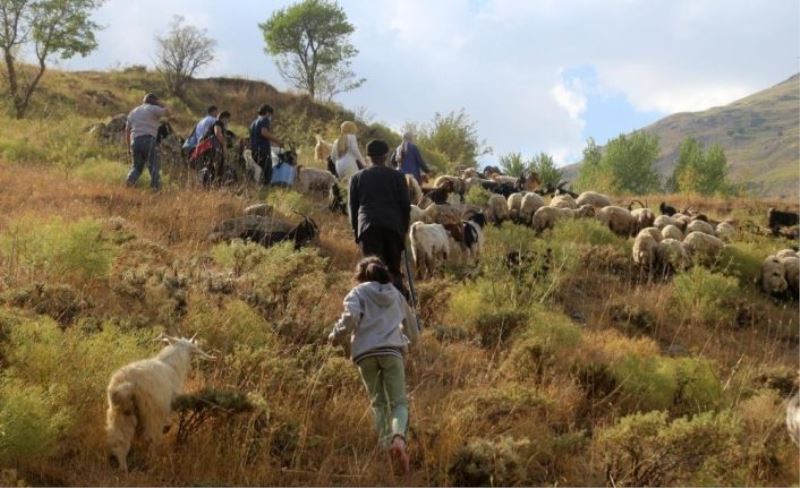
(387, 245)
(263, 158)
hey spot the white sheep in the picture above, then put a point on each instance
(140, 396)
(644, 218)
(672, 232)
(546, 217)
(618, 219)
(791, 268)
(417, 214)
(725, 231)
(786, 253)
(428, 243)
(531, 202)
(773, 276)
(563, 201)
(672, 255)
(496, 209)
(702, 247)
(597, 200)
(654, 233)
(251, 167)
(444, 214)
(700, 226)
(313, 179)
(681, 221)
(514, 203)
(662, 221)
(644, 250)
(414, 191)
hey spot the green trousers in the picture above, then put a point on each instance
(385, 379)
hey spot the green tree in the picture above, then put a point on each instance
(181, 53)
(512, 164)
(310, 43)
(545, 167)
(630, 163)
(590, 171)
(701, 172)
(455, 137)
(48, 28)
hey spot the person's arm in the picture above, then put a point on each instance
(270, 136)
(354, 204)
(410, 325)
(348, 320)
(128, 136)
(404, 201)
(420, 161)
(220, 134)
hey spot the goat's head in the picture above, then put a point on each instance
(478, 218)
(190, 344)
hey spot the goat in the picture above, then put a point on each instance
(778, 218)
(336, 202)
(312, 179)
(140, 396)
(301, 234)
(667, 210)
(428, 242)
(322, 150)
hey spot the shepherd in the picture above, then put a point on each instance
(380, 325)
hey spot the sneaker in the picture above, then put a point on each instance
(399, 454)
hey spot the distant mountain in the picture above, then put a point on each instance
(760, 134)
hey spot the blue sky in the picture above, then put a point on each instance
(536, 75)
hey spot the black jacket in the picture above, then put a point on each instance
(379, 197)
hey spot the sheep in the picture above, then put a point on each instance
(563, 201)
(672, 232)
(428, 242)
(531, 202)
(442, 214)
(793, 418)
(456, 185)
(597, 200)
(417, 214)
(644, 217)
(312, 179)
(681, 221)
(662, 221)
(703, 247)
(497, 209)
(140, 396)
(725, 231)
(791, 268)
(786, 253)
(514, 204)
(323, 149)
(644, 250)
(700, 226)
(654, 233)
(773, 276)
(671, 254)
(618, 219)
(545, 217)
(414, 190)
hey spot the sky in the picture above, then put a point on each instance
(535, 75)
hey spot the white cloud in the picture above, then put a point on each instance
(569, 96)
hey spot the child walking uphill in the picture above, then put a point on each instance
(380, 325)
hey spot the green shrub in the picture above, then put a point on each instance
(646, 383)
(586, 232)
(699, 388)
(32, 418)
(647, 450)
(483, 462)
(234, 322)
(496, 326)
(22, 151)
(241, 256)
(289, 201)
(705, 296)
(546, 342)
(477, 195)
(105, 171)
(54, 249)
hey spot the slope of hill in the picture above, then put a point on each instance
(760, 134)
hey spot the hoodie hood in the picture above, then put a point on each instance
(378, 293)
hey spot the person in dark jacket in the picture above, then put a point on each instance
(408, 159)
(261, 140)
(380, 211)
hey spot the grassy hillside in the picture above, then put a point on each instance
(571, 369)
(760, 135)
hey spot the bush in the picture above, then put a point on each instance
(484, 462)
(742, 261)
(704, 296)
(646, 383)
(546, 342)
(586, 232)
(289, 201)
(232, 323)
(53, 249)
(477, 195)
(241, 256)
(647, 450)
(699, 388)
(32, 419)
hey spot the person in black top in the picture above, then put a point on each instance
(380, 211)
(216, 133)
(261, 137)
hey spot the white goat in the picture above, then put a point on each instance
(428, 242)
(140, 396)
(313, 179)
(251, 167)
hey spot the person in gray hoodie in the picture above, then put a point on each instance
(380, 325)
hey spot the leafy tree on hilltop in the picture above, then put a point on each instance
(626, 166)
(545, 167)
(455, 137)
(512, 164)
(700, 172)
(310, 43)
(49, 28)
(181, 53)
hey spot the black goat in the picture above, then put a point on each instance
(301, 234)
(164, 131)
(437, 195)
(336, 203)
(668, 210)
(778, 218)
